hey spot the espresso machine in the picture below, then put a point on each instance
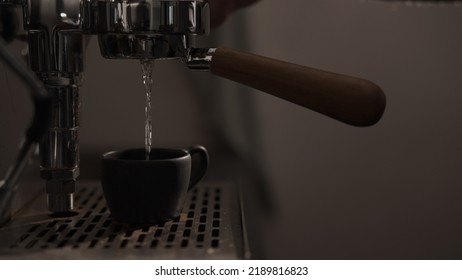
(57, 31)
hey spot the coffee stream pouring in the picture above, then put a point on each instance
(158, 29)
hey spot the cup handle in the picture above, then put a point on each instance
(199, 167)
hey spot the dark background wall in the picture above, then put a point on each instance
(389, 191)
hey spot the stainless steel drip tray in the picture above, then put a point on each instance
(210, 227)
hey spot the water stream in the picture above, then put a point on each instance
(147, 66)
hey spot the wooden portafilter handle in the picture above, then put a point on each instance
(348, 99)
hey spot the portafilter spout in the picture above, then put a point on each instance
(159, 29)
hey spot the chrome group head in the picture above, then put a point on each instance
(126, 29)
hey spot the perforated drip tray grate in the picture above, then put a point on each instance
(210, 227)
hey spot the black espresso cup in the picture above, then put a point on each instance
(140, 191)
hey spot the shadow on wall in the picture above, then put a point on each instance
(387, 192)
